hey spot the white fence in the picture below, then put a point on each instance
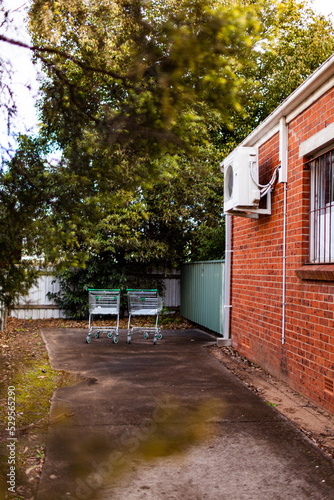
(36, 305)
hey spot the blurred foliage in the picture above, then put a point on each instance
(128, 82)
(98, 464)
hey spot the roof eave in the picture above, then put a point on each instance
(307, 88)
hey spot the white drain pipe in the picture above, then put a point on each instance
(284, 267)
(283, 177)
(227, 288)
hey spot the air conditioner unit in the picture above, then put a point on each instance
(241, 179)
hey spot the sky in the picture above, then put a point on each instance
(325, 7)
(24, 77)
(25, 74)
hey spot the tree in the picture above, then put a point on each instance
(180, 216)
(295, 43)
(23, 193)
(126, 82)
(157, 227)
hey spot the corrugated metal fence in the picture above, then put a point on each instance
(202, 294)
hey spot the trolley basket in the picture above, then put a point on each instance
(144, 303)
(103, 302)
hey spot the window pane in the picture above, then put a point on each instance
(322, 209)
(332, 176)
(327, 177)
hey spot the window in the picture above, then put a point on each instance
(322, 209)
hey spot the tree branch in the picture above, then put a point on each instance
(49, 50)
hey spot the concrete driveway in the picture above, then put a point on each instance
(168, 421)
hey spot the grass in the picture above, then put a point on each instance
(25, 367)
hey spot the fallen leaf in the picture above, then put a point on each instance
(30, 469)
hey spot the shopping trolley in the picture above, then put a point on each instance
(144, 303)
(103, 302)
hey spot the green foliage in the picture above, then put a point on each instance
(210, 242)
(160, 227)
(75, 282)
(23, 192)
(295, 42)
(100, 272)
(127, 82)
(302, 40)
(185, 209)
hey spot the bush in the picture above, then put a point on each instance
(100, 273)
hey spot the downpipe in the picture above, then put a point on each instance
(226, 340)
(284, 265)
(283, 178)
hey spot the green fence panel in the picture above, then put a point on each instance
(202, 294)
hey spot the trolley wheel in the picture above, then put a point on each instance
(88, 339)
(110, 335)
(97, 334)
(159, 336)
(145, 335)
(116, 339)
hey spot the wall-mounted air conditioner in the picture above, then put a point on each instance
(241, 179)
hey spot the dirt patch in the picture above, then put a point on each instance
(315, 423)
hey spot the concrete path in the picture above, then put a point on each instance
(168, 421)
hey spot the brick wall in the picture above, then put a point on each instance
(306, 359)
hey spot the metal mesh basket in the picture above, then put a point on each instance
(144, 303)
(103, 302)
